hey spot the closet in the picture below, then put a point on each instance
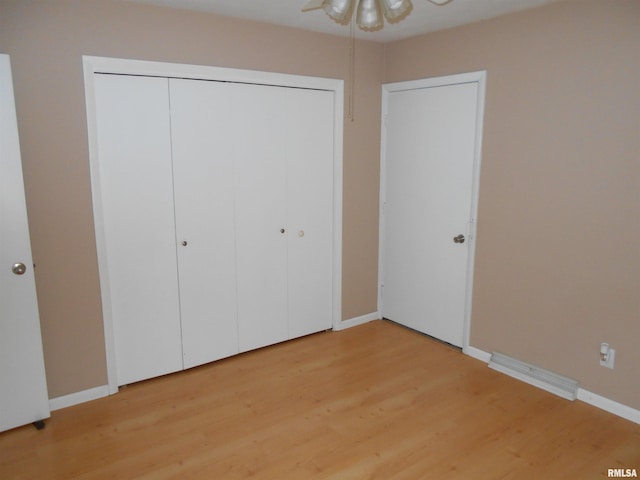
(215, 217)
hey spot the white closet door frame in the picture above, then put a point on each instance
(471, 77)
(93, 65)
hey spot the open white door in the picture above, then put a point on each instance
(23, 396)
(430, 164)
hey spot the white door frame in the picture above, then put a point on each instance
(93, 65)
(478, 77)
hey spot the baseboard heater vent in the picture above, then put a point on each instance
(539, 377)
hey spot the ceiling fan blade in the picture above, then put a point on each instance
(312, 5)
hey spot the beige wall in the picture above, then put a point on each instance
(558, 256)
(46, 40)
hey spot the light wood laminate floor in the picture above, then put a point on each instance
(375, 401)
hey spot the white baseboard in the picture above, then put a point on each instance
(609, 405)
(78, 397)
(477, 353)
(598, 401)
(353, 322)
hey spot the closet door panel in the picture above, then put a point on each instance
(203, 149)
(140, 264)
(260, 138)
(309, 154)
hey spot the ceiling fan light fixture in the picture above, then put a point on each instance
(370, 13)
(369, 16)
(339, 10)
(396, 10)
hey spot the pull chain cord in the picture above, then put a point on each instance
(352, 66)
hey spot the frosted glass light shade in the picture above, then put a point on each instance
(396, 10)
(369, 15)
(339, 10)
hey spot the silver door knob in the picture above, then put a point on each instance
(19, 268)
(458, 239)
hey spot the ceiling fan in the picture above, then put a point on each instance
(369, 16)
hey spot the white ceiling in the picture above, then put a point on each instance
(425, 17)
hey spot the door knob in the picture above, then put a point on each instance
(184, 243)
(458, 239)
(19, 268)
(282, 230)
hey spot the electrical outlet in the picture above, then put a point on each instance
(609, 361)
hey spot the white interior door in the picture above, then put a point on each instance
(203, 143)
(138, 265)
(23, 395)
(429, 155)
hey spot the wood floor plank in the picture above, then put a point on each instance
(376, 401)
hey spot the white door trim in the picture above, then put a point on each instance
(93, 65)
(478, 77)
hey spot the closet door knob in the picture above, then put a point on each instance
(19, 268)
(184, 243)
(282, 230)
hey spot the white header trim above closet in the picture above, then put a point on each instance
(203, 72)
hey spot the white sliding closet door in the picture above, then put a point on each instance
(203, 145)
(134, 150)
